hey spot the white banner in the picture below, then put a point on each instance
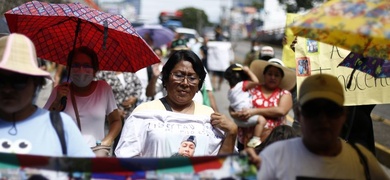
(219, 56)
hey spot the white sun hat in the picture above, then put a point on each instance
(17, 54)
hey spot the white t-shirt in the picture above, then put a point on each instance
(142, 75)
(219, 55)
(239, 98)
(152, 131)
(289, 159)
(92, 110)
(207, 85)
(36, 135)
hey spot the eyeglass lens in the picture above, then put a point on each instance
(192, 79)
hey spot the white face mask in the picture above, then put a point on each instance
(81, 77)
(256, 48)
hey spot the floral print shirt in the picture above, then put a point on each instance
(122, 92)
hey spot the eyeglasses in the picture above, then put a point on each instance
(77, 65)
(179, 77)
(17, 82)
(324, 108)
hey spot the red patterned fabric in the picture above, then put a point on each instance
(52, 28)
(260, 101)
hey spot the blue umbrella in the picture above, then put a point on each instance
(160, 35)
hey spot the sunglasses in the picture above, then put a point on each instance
(322, 108)
(17, 82)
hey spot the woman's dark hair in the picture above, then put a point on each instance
(269, 66)
(183, 55)
(39, 81)
(281, 132)
(85, 50)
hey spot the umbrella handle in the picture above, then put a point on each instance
(64, 99)
(105, 24)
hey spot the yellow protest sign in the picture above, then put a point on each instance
(312, 57)
(288, 54)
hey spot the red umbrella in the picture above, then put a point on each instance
(56, 29)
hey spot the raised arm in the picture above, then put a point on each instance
(254, 81)
(115, 124)
(151, 87)
(251, 75)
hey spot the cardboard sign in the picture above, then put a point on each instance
(313, 57)
(288, 57)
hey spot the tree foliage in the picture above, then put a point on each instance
(295, 7)
(9, 4)
(257, 4)
(194, 18)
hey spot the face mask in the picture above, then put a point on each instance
(81, 77)
(256, 48)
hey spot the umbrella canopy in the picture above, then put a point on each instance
(56, 29)
(362, 26)
(376, 67)
(160, 35)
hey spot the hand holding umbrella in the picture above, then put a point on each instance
(63, 90)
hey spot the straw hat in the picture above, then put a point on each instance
(289, 79)
(17, 54)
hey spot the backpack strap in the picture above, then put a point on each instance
(363, 161)
(56, 121)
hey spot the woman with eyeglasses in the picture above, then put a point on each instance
(88, 102)
(155, 128)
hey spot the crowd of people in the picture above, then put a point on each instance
(168, 110)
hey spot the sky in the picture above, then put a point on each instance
(150, 9)
(274, 14)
